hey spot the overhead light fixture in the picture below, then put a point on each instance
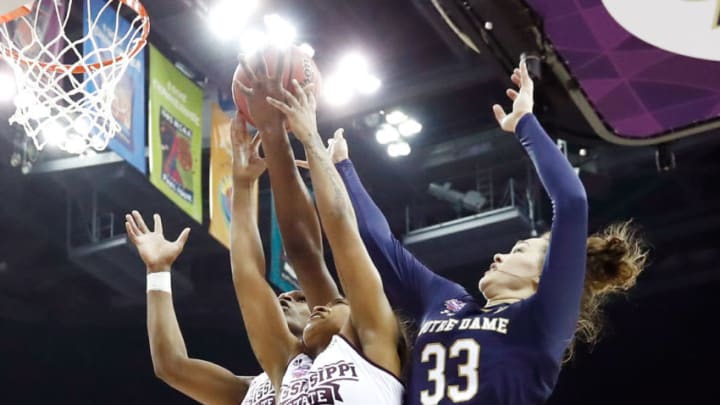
(227, 16)
(337, 91)
(54, 133)
(398, 149)
(410, 128)
(307, 49)
(471, 201)
(353, 66)
(8, 90)
(368, 84)
(387, 134)
(252, 41)
(280, 31)
(351, 77)
(396, 117)
(82, 125)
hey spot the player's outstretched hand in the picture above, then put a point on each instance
(263, 84)
(248, 165)
(522, 100)
(157, 252)
(337, 149)
(299, 110)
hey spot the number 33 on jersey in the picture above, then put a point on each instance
(467, 355)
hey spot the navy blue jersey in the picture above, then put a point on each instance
(464, 353)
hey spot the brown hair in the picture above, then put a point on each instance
(405, 339)
(615, 258)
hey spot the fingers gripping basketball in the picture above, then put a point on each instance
(296, 65)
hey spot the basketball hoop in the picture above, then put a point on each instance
(66, 86)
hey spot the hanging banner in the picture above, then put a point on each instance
(128, 106)
(175, 132)
(220, 176)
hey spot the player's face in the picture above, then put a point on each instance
(516, 270)
(325, 321)
(295, 309)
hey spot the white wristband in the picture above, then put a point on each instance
(159, 282)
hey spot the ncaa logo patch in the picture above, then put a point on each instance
(452, 307)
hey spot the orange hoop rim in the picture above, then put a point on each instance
(134, 5)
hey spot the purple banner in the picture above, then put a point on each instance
(638, 89)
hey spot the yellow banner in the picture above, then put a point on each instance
(220, 176)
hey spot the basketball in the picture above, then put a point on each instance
(298, 65)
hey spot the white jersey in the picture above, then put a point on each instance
(339, 375)
(260, 392)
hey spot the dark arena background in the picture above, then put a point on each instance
(639, 121)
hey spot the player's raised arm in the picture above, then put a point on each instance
(406, 280)
(205, 382)
(297, 218)
(561, 283)
(270, 337)
(371, 314)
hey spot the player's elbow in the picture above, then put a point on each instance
(163, 371)
(573, 201)
(167, 367)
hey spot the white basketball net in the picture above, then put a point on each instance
(65, 94)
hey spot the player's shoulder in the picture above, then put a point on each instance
(451, 305)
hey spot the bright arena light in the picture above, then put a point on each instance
(24, 99)
(280, 31)
(387, 134)
(368, 84)
(352, 77)
(396, 117)
(9, 88)
(398, 149)
(227, 16)
(38, 111)
(252, 41)
(337, 91)
(54, 133)
(75, 143)
(307, 50)
(410, 128)
(82, 125)
(353, 66)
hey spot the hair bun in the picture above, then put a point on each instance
(615, 249)
(615, 258)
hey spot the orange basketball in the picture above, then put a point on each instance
(298, 65)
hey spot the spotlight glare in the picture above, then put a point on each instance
(280, 32)
(387, 134)
(337, 91)
(398, 149)
(353, 65)
(396, 117)
(38, 111)
(96, 143)
(583, 152)
(252, 41)
(8, 89)
(307, 50)
(24, 99)
(75, 144)
(410, 128)
(368, 84)
(54, 133)
(82, 125)
(227, 16)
